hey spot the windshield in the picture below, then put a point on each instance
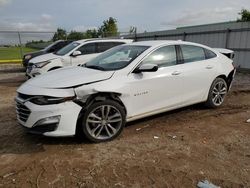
(67, 48)
(116, 58)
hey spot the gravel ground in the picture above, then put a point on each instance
(174, 149)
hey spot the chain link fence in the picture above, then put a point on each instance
(14, 44)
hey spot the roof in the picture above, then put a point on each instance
(104, 39)
(162, 42)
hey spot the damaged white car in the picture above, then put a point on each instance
(123, 84)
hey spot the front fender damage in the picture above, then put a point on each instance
(86, 95)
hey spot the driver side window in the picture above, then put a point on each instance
(163, 57)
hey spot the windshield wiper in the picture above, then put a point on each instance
(94, 67)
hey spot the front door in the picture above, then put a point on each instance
(156, 91)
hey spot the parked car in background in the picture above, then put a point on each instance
(75, 53)
(123, 84)
(55, 46)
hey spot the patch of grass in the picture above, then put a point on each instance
(10, 53)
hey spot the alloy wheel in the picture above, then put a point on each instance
(219, 93)
(104, 122)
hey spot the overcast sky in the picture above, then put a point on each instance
(149, 15)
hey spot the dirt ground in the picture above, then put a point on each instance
(174, 149)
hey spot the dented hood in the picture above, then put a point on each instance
(69, 77)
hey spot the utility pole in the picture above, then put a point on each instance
(20, 44)
(135, 33)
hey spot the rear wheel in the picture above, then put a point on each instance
(217, 93)
(103, 121)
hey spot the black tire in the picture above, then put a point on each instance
(215, 99)
(96, 108)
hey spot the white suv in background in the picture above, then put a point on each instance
(123, 84)
(78, 52)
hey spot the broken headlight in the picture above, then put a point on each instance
(45, 100)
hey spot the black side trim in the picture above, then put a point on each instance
(230, 78)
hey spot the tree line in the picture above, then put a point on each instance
(107, 29)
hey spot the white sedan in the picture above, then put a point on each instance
(123, 84)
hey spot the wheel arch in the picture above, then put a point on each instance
(102, 96)
(222, 76)
(228, 78)
(95, 97)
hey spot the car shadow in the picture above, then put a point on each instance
(25, 143)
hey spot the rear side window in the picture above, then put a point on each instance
(192, 53)
(163, 57)
(103, 46)
(87, 49)
(209, 54)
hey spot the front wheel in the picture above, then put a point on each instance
(103, 121)
(217, 93)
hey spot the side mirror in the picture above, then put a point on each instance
(146, 68)
(76, 53)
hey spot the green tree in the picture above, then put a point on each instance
(91, 33)
(60, 34)
(245, 15)
(74, 35)
(109, 28)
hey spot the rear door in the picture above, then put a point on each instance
(197, 72)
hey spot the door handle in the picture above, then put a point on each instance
(209, 67)
(175, 73)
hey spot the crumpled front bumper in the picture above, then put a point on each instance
(43, 119)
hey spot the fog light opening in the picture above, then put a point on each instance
(48, 120)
